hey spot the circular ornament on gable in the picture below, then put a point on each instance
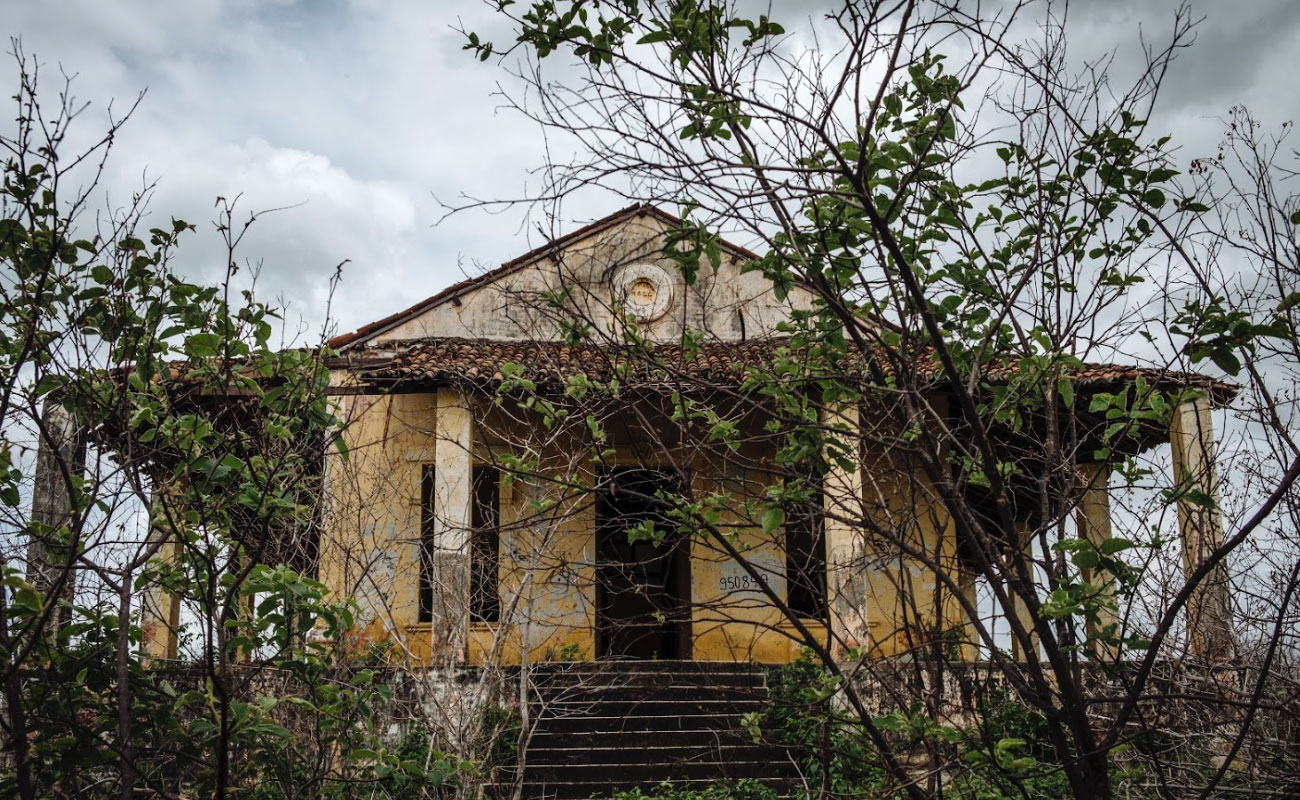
(646, 291)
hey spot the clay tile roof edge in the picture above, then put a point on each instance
(446, 358)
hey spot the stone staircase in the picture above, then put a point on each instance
(607, 726)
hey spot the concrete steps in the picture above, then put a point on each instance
(608, 726)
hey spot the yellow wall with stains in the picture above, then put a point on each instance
(370, 548)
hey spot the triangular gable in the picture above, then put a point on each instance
(459, 292)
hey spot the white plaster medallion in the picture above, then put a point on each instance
(645, 289)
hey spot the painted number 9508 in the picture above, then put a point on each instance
(734, 583)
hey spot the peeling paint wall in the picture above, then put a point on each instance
(548, 579)
(547, 574)
(370, 547)
(906, 603)
(514, 306)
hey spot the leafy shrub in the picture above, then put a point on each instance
(723, 790)
(1008, 753)
(829, 747)
(499, 730)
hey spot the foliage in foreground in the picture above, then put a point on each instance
(306, 720)
(835, 759)
(982, 215)
(999, 751)
(196, 479)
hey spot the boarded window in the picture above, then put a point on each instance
(805, 558)
(485, 547)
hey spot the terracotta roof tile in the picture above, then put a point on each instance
(483, 361)
(480, 361)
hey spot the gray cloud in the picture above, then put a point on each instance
(359, 113)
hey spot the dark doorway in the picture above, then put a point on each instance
(643, 587)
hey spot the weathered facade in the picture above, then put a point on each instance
(475, 526)
(425, 424)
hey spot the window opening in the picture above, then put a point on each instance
(805, 556)
(426, 543)
(485, 546)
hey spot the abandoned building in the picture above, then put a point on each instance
(519, 451)
(472, 529)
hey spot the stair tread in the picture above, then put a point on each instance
(623, 665)
(730, 770)
(601, 727)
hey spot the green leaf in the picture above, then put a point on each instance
(772, 519)
(1226, 361)
(655, 37)
(1110, 547)
(1066, 389)
(203, 345)
(1087, 559)
(888, 722)
(1199, 498)
(1289, 302)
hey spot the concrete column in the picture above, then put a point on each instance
(908, 539)
(452, 482)
(1019, 608)
(970, 593)
(160, 610)
(1209, 611)
(1092, 518)
(60, 456)
(845, 544)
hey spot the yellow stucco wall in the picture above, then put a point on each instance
(371, 545)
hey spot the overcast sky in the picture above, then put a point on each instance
(364, 113)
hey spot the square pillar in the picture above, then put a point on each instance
(452, 482)
(52, 535)
(908, 572)
(845, 545)
(970, 647)
(1209, 610)
(1092, 519)
(1019, 608)
(160, 613)
(160, 609)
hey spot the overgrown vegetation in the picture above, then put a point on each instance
(999, 752)
(111, 364)
(970, 218)
(738, 790)
(803, 715)
(305, 721)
